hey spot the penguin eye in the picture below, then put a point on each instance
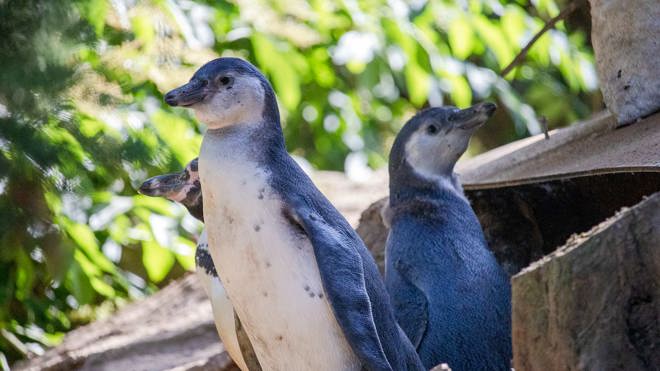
(432, 129)
(225, 80)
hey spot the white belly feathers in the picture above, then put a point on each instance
(268, 268)
(223, 311)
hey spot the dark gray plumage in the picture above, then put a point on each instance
(450, 295)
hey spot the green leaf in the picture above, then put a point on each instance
(322, 70)
(84, 237)
(569, 71)
(418, 83)
(495, 40)
(187, 260)
(540, 52)
(118, 229)
(90, 269)
(178, 134)
(417, 79)
(157, 205)
(78, 284)
(157, 260)
(549, 7)
(143, 28)
(102, 287)
(513, 25)
(285, 78)
(24, 275)
(94, 11)
(461, 37)
(460, 92)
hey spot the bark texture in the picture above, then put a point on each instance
(594, 304)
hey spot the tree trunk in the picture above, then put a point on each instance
(594, 304)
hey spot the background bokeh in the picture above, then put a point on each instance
(82, 121)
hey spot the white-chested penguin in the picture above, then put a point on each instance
(450, 295)
(185, 188)
(304, 285)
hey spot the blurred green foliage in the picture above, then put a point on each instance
(82, 122)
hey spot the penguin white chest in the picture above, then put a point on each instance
(268, 268)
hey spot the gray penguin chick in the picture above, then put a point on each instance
(450, 295)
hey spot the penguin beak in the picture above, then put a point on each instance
(187, 94)
(167, 186)
(473, 117)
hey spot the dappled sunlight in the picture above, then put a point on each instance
(83, 122)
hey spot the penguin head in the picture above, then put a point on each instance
(433, 140)
(225, 92)
(183, 187)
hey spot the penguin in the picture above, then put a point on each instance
(450, 295)
(303, 283)
(185, 188)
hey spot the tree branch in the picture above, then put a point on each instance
(550, 24)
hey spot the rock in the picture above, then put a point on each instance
(594, 304)
(171, 330)
(625, 38)
(350, 197)
(373, 232)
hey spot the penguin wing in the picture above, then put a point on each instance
(343, 277)
(411, 313)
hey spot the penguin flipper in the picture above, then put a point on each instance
(342, 274)
(412, 314)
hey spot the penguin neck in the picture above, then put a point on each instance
(410, 186)
(258, 139)
(261, 139)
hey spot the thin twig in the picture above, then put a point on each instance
(544, 125)
(550, 24)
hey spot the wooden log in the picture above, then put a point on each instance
(594, 304)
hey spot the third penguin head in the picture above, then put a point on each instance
(432, 141)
